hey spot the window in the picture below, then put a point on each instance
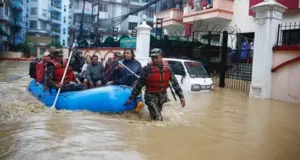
(77, 5)
(43, 26)
(64, 42)
(6, 10)
(42, 51)
(177, 67)
(65, 19)
(33, 0)
(33, 24)
(44, 13)
(33, 11)
(135, 1)
(195, 69)
(149, 12)
(131, 25)
(65, 8)
(64, 31)
(291, 37)
(214, 39)
(131, 9)
(103, 7)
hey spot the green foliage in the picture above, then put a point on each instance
(55, 43)
(109, 40)
(123, 36)
(23, 47)
(83, 43)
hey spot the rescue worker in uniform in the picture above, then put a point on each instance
(156, 76)
(55, 71)
(77, 61)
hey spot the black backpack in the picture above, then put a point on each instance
(32, 67)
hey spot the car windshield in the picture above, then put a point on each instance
(195, 69)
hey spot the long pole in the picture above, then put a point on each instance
(62, 80)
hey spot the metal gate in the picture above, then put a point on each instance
(224, 52)
(228, 55)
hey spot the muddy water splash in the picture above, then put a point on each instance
(223, 125)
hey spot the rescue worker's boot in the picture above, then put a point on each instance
(139, 107)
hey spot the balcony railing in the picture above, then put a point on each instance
(170, 15)
(57, 18)
(206, 9)
(57, 30)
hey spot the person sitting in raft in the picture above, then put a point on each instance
(77, 61)
(88, 61)
(41, 67)
(55, 71)
(94, 74)
(121, 75)
(110, 65)
(71, 81)
(112, 60)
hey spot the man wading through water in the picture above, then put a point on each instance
(156, 76)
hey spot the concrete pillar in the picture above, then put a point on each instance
(143, 39)
(268, 17)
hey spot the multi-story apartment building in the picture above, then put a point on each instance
(47, 23)
(106, 10)
(235, 13)
(12, 23)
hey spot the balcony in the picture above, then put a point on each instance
(3, 39)
(171, 17)
(219, 9)
(17, 5)
(5, 19)
(55, 19)
(54, 9)
(17, 22)
(37, 31)
(55, 31)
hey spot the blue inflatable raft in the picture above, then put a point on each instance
(104, 99)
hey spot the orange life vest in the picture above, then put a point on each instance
(158, 80)
(59, 72)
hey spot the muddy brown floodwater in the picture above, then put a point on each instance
(221, 125)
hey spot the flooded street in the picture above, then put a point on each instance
(223, 124)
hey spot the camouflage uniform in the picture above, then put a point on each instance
(155, 101)
(66, 87)
(50, 76)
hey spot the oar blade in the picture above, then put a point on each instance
(13, 77)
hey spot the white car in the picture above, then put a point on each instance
(191, 75)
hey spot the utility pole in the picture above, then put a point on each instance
(81, 23)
